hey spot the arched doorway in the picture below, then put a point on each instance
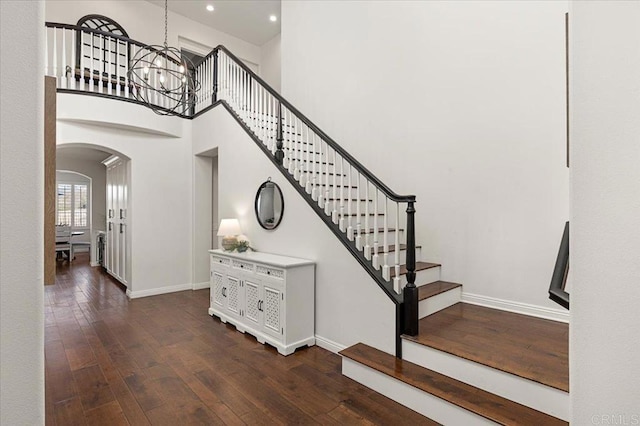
(108, 235)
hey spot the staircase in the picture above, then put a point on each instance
(467, 364)
(455, 363)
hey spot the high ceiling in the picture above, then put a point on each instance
(245, 19)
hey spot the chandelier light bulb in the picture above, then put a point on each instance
(158, 62)
(184, 79)
(161, 78)
(145, 70)
(181, 68)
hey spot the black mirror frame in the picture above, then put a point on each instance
(255, 204)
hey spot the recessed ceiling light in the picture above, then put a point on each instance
(210, 7)
(273, 18)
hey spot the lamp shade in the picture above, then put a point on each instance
(229, 227)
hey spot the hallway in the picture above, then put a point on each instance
(163, 360)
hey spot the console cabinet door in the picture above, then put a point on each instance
(272, 302)
(253, 295)
(233, 295)
(218, 291)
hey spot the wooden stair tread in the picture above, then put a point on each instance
(420, 266)
(533, 348)
(392, 248)
(432, 289)
(478, 401)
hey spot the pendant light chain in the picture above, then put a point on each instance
(161, 79)
(165, 22)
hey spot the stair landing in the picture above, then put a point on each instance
(533, 348)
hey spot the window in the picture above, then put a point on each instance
(73, 205)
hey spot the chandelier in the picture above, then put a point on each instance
(161, 78)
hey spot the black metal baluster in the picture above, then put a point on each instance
(214, 95)
(410, 292)
(279, 152)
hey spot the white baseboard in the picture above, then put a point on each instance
(329, 345)
(159, 290)
(200, 286)
(517, 307)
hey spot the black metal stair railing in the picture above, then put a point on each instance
(363, 213)
(558, 283)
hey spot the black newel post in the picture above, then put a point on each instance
(214, 95)
(279, 152)
(410, 292)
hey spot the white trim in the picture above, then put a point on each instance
(200, 286)
(523, 391)
(329, 345)
(517, 307)
(424, 403)
(93, 264)
(159, 290)
(194, 46)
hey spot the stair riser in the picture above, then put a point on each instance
(425, 276)
(523, 391)
(403, 256)
(433, 304)
(424, 403)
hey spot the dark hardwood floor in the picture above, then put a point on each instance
(162, 360)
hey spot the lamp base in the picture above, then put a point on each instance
(229, 243)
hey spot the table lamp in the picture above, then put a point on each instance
(229, 230)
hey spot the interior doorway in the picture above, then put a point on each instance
(206, 220)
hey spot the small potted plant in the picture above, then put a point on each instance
(243, 244)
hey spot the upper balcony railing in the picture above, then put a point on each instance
(358, 207)
(95, 62)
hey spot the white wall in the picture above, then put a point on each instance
(605, 217)
(161, 185)
(144, 22)
(270, 61)
(460, 103)
(350, 307)
(21, 213)
(98, 174)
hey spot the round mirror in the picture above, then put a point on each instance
(269, 205)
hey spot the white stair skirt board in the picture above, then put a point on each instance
(433, 304)
(561, 315)
(423, 277)
(424, 403)
(523, 391)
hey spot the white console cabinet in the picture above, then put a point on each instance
(268, 296)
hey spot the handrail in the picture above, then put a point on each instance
(91, 30)
(343, 153)
(560, 272)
